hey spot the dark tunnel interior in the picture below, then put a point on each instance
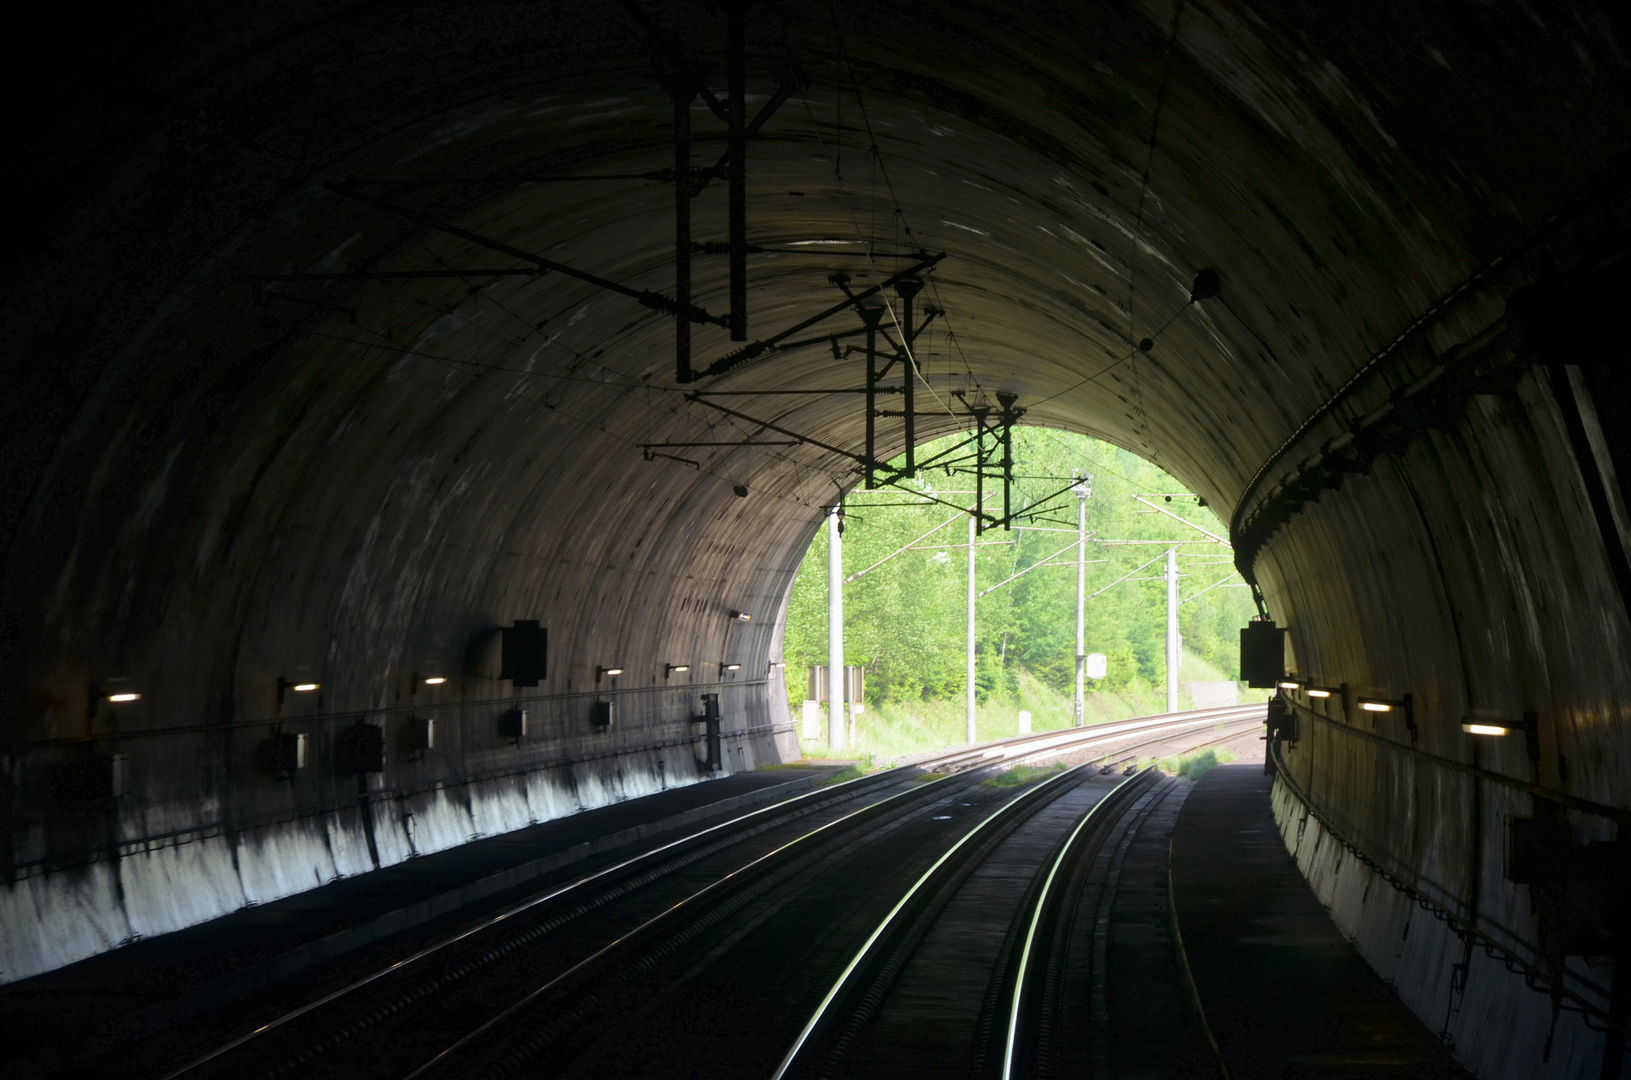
(342, 336)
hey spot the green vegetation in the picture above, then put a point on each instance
(904, 620)
(851, 771)
(1194, 765)
(1023, 774)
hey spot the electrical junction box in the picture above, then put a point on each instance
(525, 653)
(360, 749)
(601, 715)
(287, 753)
(94, 781)
(512, 724)
(1262, 653)
(419, 736)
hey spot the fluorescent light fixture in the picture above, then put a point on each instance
(741, 616)
(1486, 729)
(435, 680)
(669, 669)
(732, 667)
(1319, 692)
(124, 697)
(284, 685)
(1375, 706)
(614, 671)
(1289, 684)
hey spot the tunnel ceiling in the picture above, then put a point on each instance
(203, 466)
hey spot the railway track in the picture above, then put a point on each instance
(529, 989)
(1008, 1023)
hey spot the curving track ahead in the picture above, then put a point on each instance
(789, 926)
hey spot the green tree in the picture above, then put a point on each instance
(905, 619)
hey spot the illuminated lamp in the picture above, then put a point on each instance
(284, 686)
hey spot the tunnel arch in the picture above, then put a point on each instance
(208, 488)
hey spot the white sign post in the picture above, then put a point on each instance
(1098, 666)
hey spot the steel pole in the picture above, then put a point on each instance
(970, 695)
(1081, 605)
(736, 169)
(682, 237)
(1174, 643)
(835, 633)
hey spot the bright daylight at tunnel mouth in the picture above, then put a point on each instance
(751, 539)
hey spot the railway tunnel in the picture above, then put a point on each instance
(345, 340)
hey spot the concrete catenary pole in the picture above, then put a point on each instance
(970, 689)
(1083, 490)
(835, 631)
(1174, 643)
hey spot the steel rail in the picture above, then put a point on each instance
(1066, 853)
(668, 914)
(823, 1011)
(854, 786)
(1114, 797)
(820, 1018)
(762, 865)
(1019, 748)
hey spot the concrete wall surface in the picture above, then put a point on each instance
(300, 392)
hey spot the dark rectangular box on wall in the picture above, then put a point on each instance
(512, 724)
(360, 748)
(1262, 653)
(602, 715)
(525, 653)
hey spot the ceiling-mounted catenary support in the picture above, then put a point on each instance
(736, 171)
(683, 75)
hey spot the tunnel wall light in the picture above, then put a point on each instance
(1322, 691)
(674, 669)
(607, 673)
(435, 680)
(1289, 684)
(113, 694)
(1496, 727)
(728, 666)
(285, 686)
(1404, 705)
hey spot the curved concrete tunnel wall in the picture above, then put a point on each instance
(208, 489)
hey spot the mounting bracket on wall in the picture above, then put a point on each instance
(710, 717)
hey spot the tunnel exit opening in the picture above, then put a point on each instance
(1154, 595)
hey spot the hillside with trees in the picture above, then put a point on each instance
(905, 612)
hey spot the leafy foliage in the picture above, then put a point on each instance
(904, 618)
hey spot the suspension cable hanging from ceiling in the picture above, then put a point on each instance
(1145, 344)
